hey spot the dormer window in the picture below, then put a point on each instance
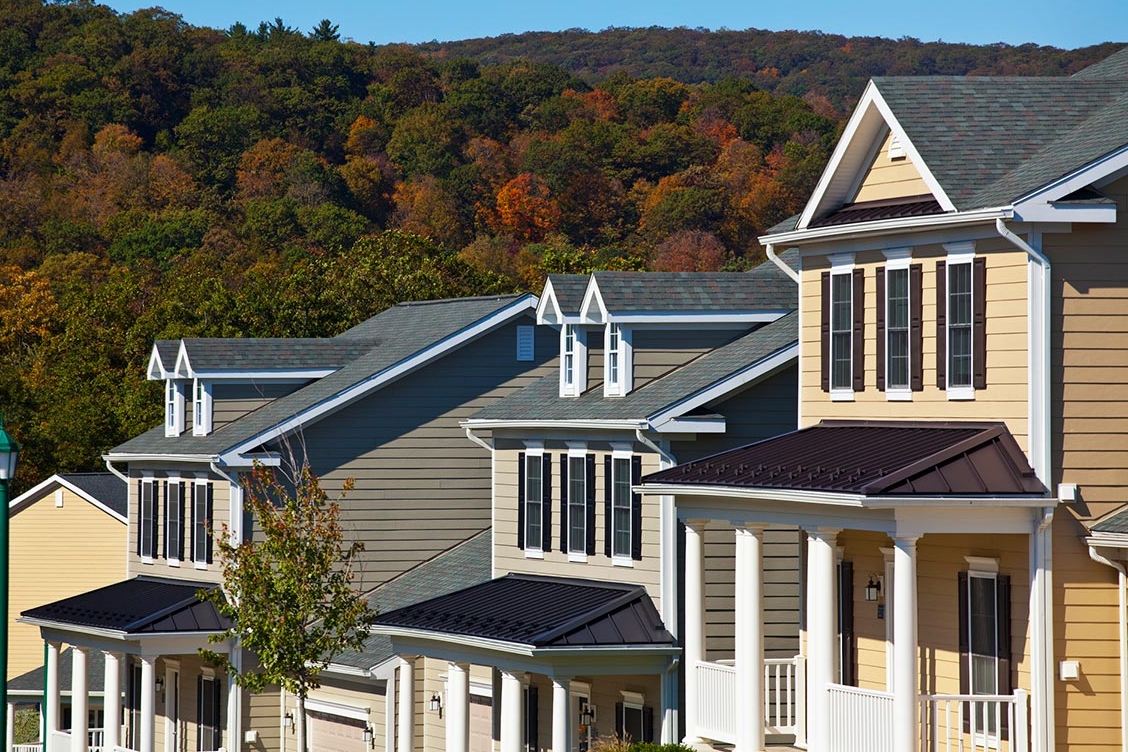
(201, 408)
(174, 408)
(573, 362)
(569, 357)
(616, 363)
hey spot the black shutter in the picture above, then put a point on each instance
(521, 500)
(156, 517)
(1003, 643)
(546, 503)
(619, 720)
(608, 510)
(210, 524)
(636, 509)
(191, 494)
(846, 652)
(965, 641)
(164, 540)
(979, 323)
(532, 736)
(880, 318)
(182, 499)
(916, 328)
(564, 503)
(647, 724)
(859, 307)
(590, 504)
(942, 328)
(825, 331)
(140, 516)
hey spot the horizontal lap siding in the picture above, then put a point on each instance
(657, 352)
(1005, 397)
(1089, 344)
(886, 178)
(233, 401)
(420, 485)
(56, 553)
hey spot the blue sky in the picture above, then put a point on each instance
(1049, 22)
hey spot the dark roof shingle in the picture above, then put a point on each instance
(105, 487)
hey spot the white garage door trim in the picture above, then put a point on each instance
(335, 708)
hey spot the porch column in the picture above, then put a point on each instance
(10, 728)
(458, 707)
(694, 642)
(749, 638)
(561, 718)
(112, 699)
(512, 694)
(79, 720)
(148, 703)
(52, 714)
(406, 698)
(820, 635)
(904, 642)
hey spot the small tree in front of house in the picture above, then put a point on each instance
(289, 591)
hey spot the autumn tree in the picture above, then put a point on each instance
(289, 591)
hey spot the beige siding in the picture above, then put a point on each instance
(263, 713)
(887, 178)
(594, 357)
(420, 484)
(233, 401)
(605, 693)
(190, 667)
(55, 553)
(1005, 397)
(657, 352)
(367, 697)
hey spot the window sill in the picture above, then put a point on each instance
(147, 560)
(622, 561)
(960, 393)
(899, 395)
(533, 554)
(174, 562)
(201, 565)
(841, 395)
(578, 557)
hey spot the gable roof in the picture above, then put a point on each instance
(406, 336)
(540, 401)
(201, 355)
(543, 612)
(876, 458)
(31, 683)
(104, 490)
(562, 296)
(618, 294)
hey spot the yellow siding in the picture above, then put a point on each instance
(1005, 397)
(886, 178)
(55, 553)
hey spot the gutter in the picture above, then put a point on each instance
(770, 248)
(1122, 634)
(888, 226)
(121, 476)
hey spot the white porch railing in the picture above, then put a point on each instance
(971, 723)
(784, 699)
(33, 747)
(59, 740)
(861, 720)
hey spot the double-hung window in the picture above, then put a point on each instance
(174, 408)
(577, 505)
(147, 519)
(534, 501)
(621, 507)
(841, 332)
(961, 322)
(899, 335)
(174, 521)
(568, 353)
(897, 331)
(959, 325)
(202, 510)
(843, 335)
(622, 510)
(617, 361)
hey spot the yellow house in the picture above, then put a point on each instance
(958, 468)
(67, 536)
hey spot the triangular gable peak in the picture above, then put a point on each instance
(157, 370)
(593, 310)
(872, 127)
(548, 309)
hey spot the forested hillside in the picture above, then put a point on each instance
(159, 180)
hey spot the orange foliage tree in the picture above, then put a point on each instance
(526, 209)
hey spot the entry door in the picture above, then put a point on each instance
(172, 710)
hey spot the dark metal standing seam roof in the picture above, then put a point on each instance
(105, 487)
(872, 458)
(542, 612)
(873, 211)
(142, 605)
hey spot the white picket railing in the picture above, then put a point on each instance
(861, 720)
(716, 701)
(971, 723)
(784, 699)
(33, 747)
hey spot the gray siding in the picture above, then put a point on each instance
(594, 357)
(658, 351)
(420, 485)
(232, 401)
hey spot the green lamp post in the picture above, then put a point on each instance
(9, 454)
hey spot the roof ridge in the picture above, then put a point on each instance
(441, 301)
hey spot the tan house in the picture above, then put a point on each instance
(962, 432)
(380, 403)
(574, 637)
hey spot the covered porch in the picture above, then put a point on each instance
(914, 535)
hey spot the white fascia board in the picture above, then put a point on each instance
(855, 501)
(597, 425)
(297, 374)
(1110, 164)
(183, 368)
(604, 651)
(730, 384)
(1088, 213)
(377, 380)
(958, 502)
(1107, 540)
(593, 311)
(548, 309)
(888, 226)
(156, 370)
(113, 634)
(31, 495)
(484, 643)
(150, 457)
(352, 712)
(350, 672)
(693, 425)
(691, 317)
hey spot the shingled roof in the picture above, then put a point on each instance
(542, 612)
(272, 354)
(107, 488)
(697, 292)
(568, 289)
(874, 458)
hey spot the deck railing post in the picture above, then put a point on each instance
(800, 701)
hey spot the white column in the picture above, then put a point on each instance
(234, 702)
(52, 713)
(749, 638)
(458, 707)
(512, 699)
(561, 718)
(148, 703)
(904, 643)
(694, 642)
(390, 710)
(79, 719)
(10, 728)
(112, 701)
(406, 703)
(821, 629)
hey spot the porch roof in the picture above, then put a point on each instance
(542, 612)
(872, 458)
(142, 605)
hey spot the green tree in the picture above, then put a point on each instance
(289, 591)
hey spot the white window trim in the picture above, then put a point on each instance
(958, 253)
(619, 452)
(897, 259)
(841, 263)
(981, 566)
(579, 361)
(198, 563)
(576, 449)
(621, 386)
(201, 407)
(174, 423)
(171, 557)
(526, 343)
(150, 481)
(533, 449)
(983, 569)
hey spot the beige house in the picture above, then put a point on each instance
(961, 447)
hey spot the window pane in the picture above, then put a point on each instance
(959, 325)
(577, 504)
(897, 329)
(841, 328)
(621, 507)
(632, 723)
(200, 522)
(534, 491)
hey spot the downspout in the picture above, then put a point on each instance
(770, 247)
(488, 446)
(1038, 344)
(115, 471)
(1123, 634)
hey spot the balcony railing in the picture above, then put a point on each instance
(975, 723)
(861, 720)
(784, 699)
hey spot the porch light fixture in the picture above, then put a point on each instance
(587, 714)
(436, 705)
(873, 589)
(369, 737)
(160, 684)
(9, 455)
(288, 721)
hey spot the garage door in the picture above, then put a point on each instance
(332, 733)
(481, 724)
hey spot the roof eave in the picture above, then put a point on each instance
(888, 226)
(583, 424)
(839, 499)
